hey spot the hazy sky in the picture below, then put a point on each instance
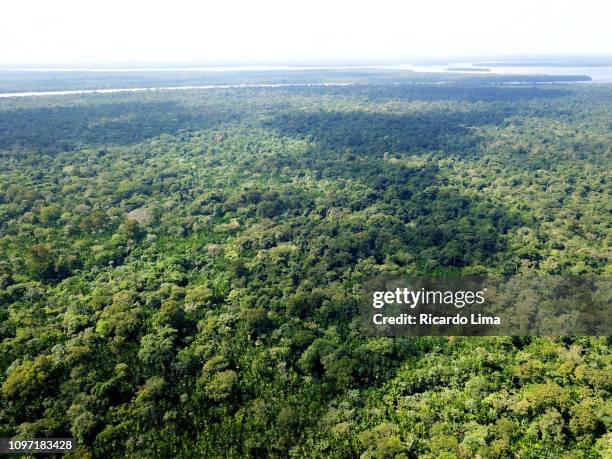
(226, 31)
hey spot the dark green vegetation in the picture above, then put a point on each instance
(180, 271)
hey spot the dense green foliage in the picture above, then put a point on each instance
(180, 271)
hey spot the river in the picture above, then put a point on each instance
(599, 74)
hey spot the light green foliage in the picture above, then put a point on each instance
(28, 379)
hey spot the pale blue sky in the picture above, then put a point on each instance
(230, 31)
